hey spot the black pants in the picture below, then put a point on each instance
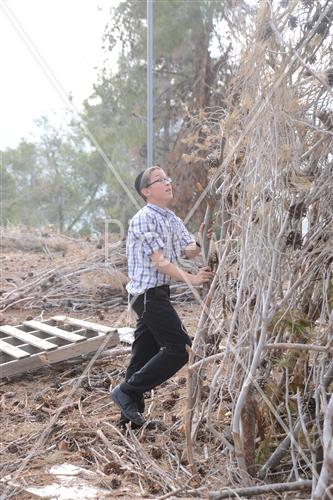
(159, 347)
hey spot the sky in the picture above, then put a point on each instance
(50, 49)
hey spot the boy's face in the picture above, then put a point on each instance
(159, 192)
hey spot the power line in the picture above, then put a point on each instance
(150, 83)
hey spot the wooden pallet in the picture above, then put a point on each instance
(38, 343)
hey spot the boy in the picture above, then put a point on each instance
(156, 238)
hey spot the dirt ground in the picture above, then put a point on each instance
(63, 414)
(55, 415)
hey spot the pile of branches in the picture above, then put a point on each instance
(265, 337)
(80, 275)
(25, 239)
(84, 279)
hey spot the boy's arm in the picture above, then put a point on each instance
(193, 249)
(167, 267)
(188, 242)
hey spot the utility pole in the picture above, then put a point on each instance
(150, 90)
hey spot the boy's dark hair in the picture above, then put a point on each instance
(143, 179)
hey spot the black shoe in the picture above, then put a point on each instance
(128, 406)
(141, 403)
(151, 425)
(141, 408)
(123, 421)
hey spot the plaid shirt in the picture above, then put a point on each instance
(151, 229)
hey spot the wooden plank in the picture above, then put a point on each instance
(96, 327)
(61, 354)
(53, 330)
(26, 337)
(13, 351)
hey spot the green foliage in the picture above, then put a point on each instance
(7, 195)
(67, 178)
(49, 181)
(116, 111)
(20, 180)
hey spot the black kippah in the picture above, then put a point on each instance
(137, 183)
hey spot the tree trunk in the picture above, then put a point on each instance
(189, 174)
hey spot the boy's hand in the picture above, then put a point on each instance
(203, 276)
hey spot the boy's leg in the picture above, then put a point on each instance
(162, 320)
(144, 348)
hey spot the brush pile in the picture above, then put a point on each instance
(46, 271)
(266, 345)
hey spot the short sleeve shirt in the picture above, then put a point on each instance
(151, 229)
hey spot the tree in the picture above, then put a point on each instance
(188, 79)
(20, 177)
(7, 196)
(56, 180)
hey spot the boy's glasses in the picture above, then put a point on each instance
(165, 180)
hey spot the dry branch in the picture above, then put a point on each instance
(324, 486)
(303, 485)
